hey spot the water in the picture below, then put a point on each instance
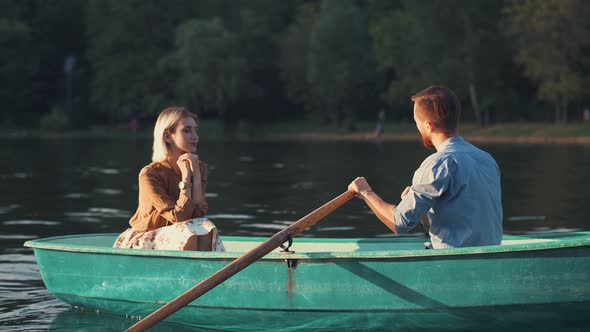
(56, 187)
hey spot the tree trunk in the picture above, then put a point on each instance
(475, 104)
(564, 111)
(349, 118)
(469, 65)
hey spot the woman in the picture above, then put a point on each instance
(172, 191)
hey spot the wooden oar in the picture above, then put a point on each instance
(242, 262)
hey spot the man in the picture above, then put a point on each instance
(458, 186)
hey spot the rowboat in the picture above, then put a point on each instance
(324, 283)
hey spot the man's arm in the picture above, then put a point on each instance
(382, 209)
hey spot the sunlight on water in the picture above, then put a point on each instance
(17, 237)
(254, 205)
(31, 222)
(544, 230)
(6, 209)
(95, 214)
(263, 226)
(332, 229)
(229, 216)
(23, 175)
(107, 171)
(108, 191)
(76, 195)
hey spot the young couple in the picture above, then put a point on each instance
(458, 186)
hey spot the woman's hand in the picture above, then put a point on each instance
(194, 163)
(184, 164)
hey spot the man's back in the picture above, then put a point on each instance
(459, 188)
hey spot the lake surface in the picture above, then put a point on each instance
(56, 187)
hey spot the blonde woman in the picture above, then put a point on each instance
(172, 191)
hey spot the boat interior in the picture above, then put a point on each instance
(305, 245)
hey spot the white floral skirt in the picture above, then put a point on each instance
(179, 236)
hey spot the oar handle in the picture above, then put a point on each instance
(240, 263)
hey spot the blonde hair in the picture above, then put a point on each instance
(166, 124)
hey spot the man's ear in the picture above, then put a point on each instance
(428, 125)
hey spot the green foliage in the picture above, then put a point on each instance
(294, 60)
(341, 60)
(211, 70)
(267, 60)
(126, 40)
(17, 67)
(453, 43)
(552, 44)
(55, 120)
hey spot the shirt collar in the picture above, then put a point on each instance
(448, 143)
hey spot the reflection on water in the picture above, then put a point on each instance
(561, 317)
(31, 222)
(79, 319)
(254, 189)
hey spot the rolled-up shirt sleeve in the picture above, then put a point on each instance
(430, 182)
(152, 189)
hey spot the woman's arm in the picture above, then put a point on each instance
(152, 192)
(199, 177)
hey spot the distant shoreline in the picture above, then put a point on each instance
(360, 137)
(211, 130)
(311, 137)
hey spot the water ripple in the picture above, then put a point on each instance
(108, 191)
(107, 171)
(32, 222)
(17, 237)
(76, 195)
(94, 214)
(6, 209)
(229, 216)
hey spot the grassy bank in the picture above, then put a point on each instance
(500, 133)
(213, 130)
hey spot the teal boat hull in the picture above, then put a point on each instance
(324, 283)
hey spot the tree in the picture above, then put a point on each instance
(58, 28)
(552, 41)
(341, 61)
(126, 39)
(294, 59)
(261, 24)
(211, 71)
(454, 43)
(17, 66)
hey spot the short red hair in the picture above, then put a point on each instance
(439, 105)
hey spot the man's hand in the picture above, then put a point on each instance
(360, 187)
(405, 192)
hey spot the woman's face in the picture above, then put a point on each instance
(185, 136)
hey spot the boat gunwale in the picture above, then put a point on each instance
(583, 239)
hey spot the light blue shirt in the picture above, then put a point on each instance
(459, 188)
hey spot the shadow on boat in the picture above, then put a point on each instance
(437, 316)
